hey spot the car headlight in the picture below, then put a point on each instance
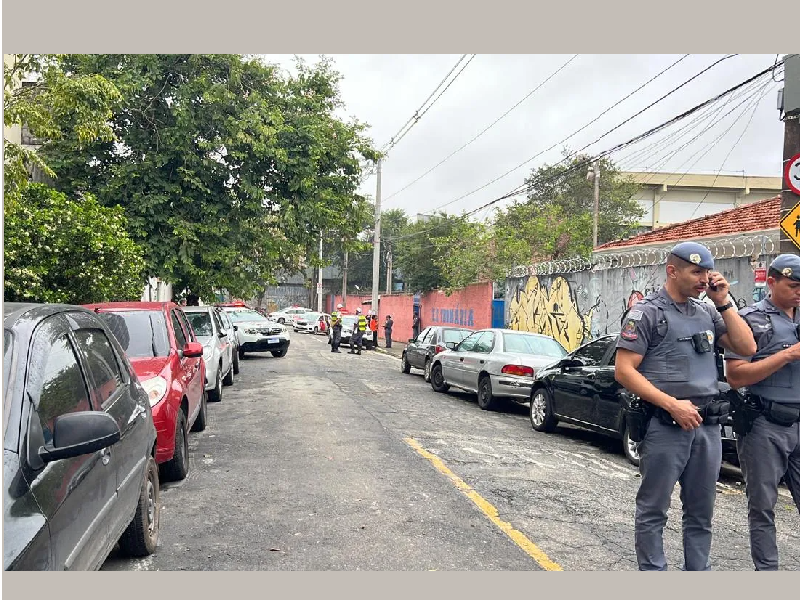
(252, 331)
(156, 389)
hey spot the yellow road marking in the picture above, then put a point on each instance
(488, 509)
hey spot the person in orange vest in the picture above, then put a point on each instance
(373, 327)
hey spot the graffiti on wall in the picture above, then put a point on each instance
(554, 312)
(453, 316)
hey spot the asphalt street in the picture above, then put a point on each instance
(321, 461)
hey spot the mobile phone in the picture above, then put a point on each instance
(713, 288)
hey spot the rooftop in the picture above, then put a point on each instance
(701, 180)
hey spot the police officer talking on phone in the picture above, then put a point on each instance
(666, 357)
(768, 434)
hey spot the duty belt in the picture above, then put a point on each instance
(713, 410)
(778, 413)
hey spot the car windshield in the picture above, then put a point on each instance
(201, 323)
(533, 344)
(455, 335)
(348, 319)
(141, 333)
(237, 316)
(310, 317)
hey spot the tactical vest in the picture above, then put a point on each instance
(362, 323)
(773, 332)
(674, 366)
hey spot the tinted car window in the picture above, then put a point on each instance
(141, 333)
(101, 360)
(426, 336)
(532, 344)
(200, 322)
(187, 329)
(63, 389)
(454, 335)
(180, 337)
(592, 353)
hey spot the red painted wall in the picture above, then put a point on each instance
(469, 307)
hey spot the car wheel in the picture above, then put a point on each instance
(405, 367)
(236, 362)
(229, 377)
(542, 418)
(141, 536)
(427, 370)
(202, 417)
(278, 353)
(215, 395)
(177, 468)
(281, 320)
(316, 330)
(241, 353)
(485, 399)
(437, 379)
(631, 449)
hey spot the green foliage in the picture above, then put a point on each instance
(228, 170)
(72, 251)
(419, 251)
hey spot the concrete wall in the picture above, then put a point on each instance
(577, 307)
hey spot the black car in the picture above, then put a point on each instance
(420, 350)
(580, 389)
(79, 473)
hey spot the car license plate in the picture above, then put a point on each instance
(273, 340)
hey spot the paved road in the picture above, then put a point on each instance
(320, 461)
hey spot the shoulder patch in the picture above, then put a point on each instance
(635, 315)
(629, 331)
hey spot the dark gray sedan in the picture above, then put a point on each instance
(79, 472)
(431, 341)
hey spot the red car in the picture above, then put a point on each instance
(168, 360)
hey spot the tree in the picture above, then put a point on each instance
(419, 249)
(62, 250)
(228, 170)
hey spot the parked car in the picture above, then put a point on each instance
(230, 330)
(257, 333)
(287, 315)
(580, 389)
(168, 360)
(348, 323)
(217, 349)
(79, 472)
(312, 322)
(494, 363)
(431, 341)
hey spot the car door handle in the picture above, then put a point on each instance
(105, 455)
(482, 362)
(461, 359)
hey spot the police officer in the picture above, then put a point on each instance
(771, 448)
(665, 356)
(336, 328)
(359, 327)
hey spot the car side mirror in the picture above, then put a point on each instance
(450, 345)
(566, 363)
(79, 433)
(192, 350)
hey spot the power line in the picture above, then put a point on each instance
(495, 122)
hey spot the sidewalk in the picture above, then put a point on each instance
(396, 350)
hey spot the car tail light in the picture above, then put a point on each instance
(521, 370)
(439, 348)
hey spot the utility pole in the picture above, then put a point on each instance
(376, 244)
(594, 174)
(319, 280)
(789, 105)
(388, 270)
(344, 281)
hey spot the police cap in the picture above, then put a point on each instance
(787, 265)
(694, 253)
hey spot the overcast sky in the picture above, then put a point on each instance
(385, 90)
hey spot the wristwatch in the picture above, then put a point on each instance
(724, 307)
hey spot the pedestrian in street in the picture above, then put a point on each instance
(387, 330)
(415, 325)
(373, 330)
(359, 329)
(768, 436)
(665, 355)
(336, 328)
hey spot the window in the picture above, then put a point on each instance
(521, 343)
(454, 335)
(468, 343)
(201, 323)
(237, 316)
(592, 353)
(63, 389)
(217, 322)
(421, 338)
(485, 342)
(186, 327)
(141, 333)
(101, 360)
(180, 337)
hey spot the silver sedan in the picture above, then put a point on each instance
(495, 363)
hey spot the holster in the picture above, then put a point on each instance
(780, 414)
(637, 419)
(744, 410)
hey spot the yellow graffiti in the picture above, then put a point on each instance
(554, 313)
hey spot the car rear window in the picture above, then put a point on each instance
(455, 335)
(141, 333)
(533, 344)
(201, 323)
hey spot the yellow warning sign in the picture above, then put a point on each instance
(791, 224)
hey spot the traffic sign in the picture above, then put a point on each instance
(792, 174)
(791, 224)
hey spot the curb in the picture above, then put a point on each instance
(384, 351)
